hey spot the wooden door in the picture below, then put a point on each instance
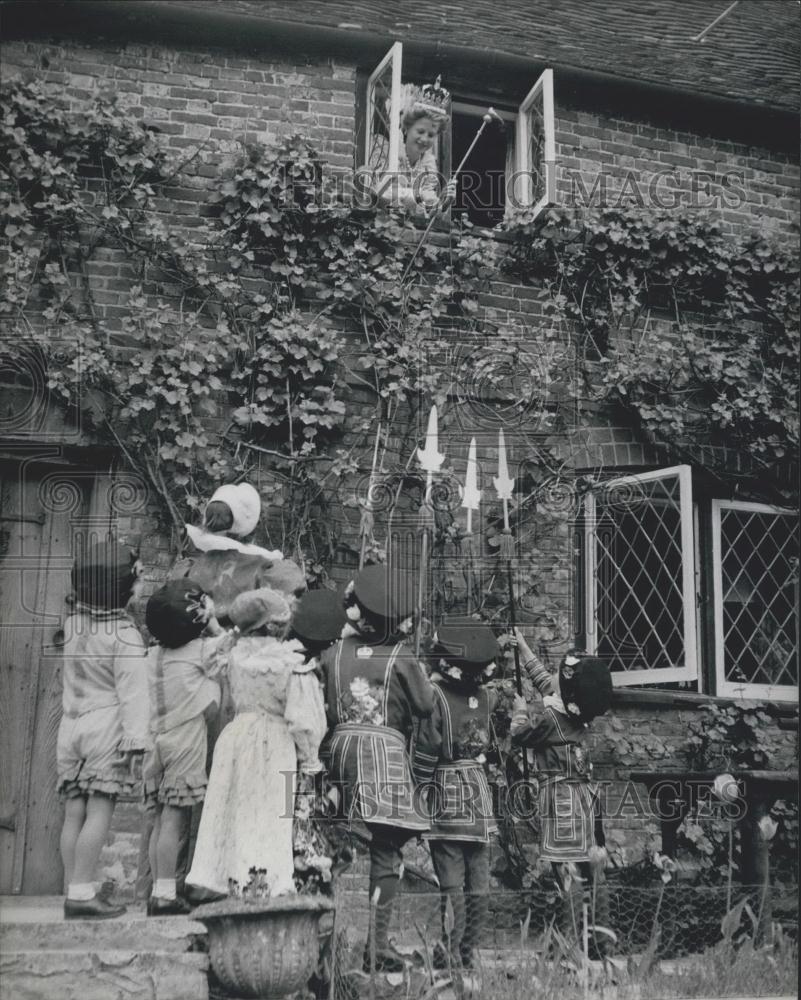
(43, 507)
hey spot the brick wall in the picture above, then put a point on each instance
(632, 161)
(206, 101)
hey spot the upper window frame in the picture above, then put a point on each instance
(519, 195)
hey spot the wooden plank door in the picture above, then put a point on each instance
(42, 509)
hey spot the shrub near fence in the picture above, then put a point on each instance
(522, 942)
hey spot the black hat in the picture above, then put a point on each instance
(175, 614)
(104, 575)
(384, 592)
(590, 687)
(319, 616)
(466, 643)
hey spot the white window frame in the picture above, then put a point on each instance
(394, 56)
(724, 688)
(523, 194)
(523, 186)
(688, 672)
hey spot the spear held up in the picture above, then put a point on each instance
(504, 486)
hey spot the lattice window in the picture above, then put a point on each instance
(755, 565)
(535, 185)
(381, 141)
(640, 577)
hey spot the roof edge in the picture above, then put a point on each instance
(157, 19)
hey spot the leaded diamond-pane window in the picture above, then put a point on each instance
(535, 186)
(755, 557)
(641, 577)
(383, 114)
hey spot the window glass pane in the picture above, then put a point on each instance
(536, 149)
(379, 98)
(759, 558)
(639, 580)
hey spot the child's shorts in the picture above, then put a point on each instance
(86, 752)
(175, 769)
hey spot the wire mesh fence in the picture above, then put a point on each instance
(508, 942)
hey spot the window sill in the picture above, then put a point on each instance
(688, 699)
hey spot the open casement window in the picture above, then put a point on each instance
(382, 135)
(535, 180)
(640, 577)
(755, 584)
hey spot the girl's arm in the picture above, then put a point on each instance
(130, 680)
(305, 716)
(215, 650)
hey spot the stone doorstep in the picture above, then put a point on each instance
(158, 934)
(45, 957)
(111, 974)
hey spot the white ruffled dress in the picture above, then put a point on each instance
(279, 724)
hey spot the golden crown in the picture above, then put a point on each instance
(434, 99)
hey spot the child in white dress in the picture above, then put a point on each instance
(245, 832)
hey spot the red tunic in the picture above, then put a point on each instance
(445, 753)
(375, 693)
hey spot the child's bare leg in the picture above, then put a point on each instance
(99, 811)
(74, 816)
(170, 830)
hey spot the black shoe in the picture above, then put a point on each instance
(157, 906)
(92, 909)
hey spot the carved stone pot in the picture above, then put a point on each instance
(263, 949)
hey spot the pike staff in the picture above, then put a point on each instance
(504, 487)
(471, 500)
(430, 460)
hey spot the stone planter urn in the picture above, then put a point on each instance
(263, 949)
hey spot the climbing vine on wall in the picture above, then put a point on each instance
(235, 340)
(224, 344)
(690, 331)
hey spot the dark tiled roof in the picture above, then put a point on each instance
(752, 55)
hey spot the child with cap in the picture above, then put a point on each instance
(222, 563)
(321, 847)
(376, 692)
(104, 726)
(280, 720)
(450, 753)
(572, 835)
(183, 672)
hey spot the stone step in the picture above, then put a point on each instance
(105, 974)
(154, 934)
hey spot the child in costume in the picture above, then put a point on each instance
(572, 837)
(222, 563)
(183, 673)
(246, 826)
(104, 726)
(416, 186)
(321, 847)
(376, 692)
(450, 753)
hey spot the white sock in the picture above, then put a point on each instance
(164, 888)
(80, 891)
